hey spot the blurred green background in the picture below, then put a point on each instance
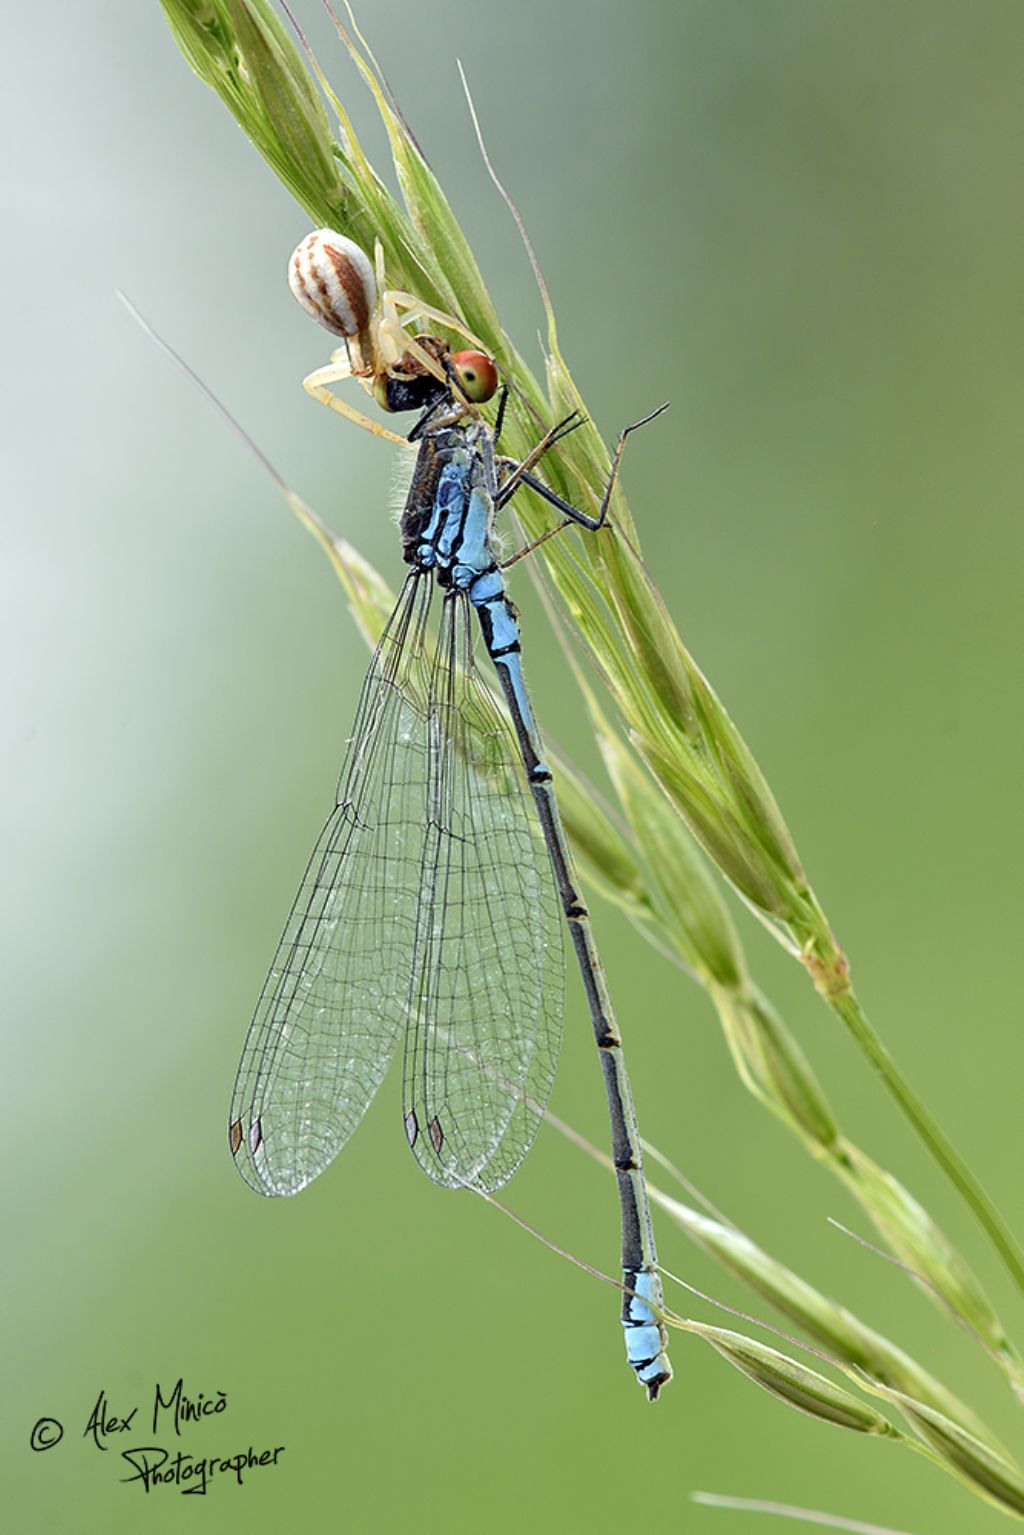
(801, 222)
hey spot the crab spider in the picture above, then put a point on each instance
(334, 281)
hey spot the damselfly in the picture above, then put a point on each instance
(429, 912)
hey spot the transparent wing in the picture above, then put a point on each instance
(485, 999)
(334, 1004)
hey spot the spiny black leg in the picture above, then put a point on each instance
(593, 523)
(499, 420)
(518, 471)
(520, 475)
(423, 420)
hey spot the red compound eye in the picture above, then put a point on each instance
(476, 374)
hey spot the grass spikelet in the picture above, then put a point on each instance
(794, 1383)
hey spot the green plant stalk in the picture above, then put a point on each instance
(774, 1069)
(846, 1007)
(790, 1511)
(674, 718)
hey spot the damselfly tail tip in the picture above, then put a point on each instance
(654, 1386)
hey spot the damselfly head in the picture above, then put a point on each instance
(333, 281)
(430, 373)
(477, 375)
(405, 370)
